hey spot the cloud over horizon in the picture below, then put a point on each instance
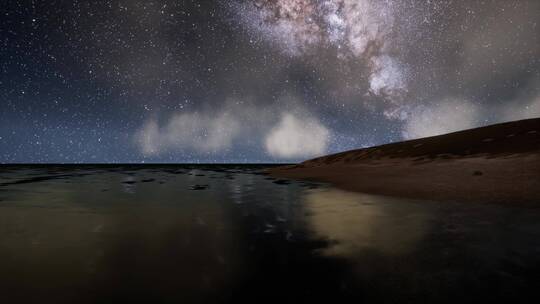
(295, 137)
(189, 131)
(446, 116)
(294, 134)
(207, 81)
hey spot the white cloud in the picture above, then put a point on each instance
(189, 131)
(450, 115)
(148, 138)
(519, 110)
(295, 137)
(297, 133)
(447, 116)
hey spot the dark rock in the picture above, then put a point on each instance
(281, 182)
(198, 187)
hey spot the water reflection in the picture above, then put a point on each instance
(353, 222)
(142, 235)
(60, 241)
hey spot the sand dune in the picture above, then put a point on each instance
(498, 163)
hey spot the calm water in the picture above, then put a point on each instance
(214, 234)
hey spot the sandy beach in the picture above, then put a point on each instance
(498, 163)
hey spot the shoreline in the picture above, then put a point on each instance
(497, 164)
(510, 181)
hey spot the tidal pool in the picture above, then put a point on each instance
(229, 234)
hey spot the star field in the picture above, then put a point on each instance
(256, 81)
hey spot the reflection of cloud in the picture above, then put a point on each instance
(128, 185)
(188, 243)
(294, 137)
(238, 189)
(354, 222)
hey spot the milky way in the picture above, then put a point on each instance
(256, 81)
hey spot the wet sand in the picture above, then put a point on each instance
(498, 163)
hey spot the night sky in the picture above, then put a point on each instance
(256, 81)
